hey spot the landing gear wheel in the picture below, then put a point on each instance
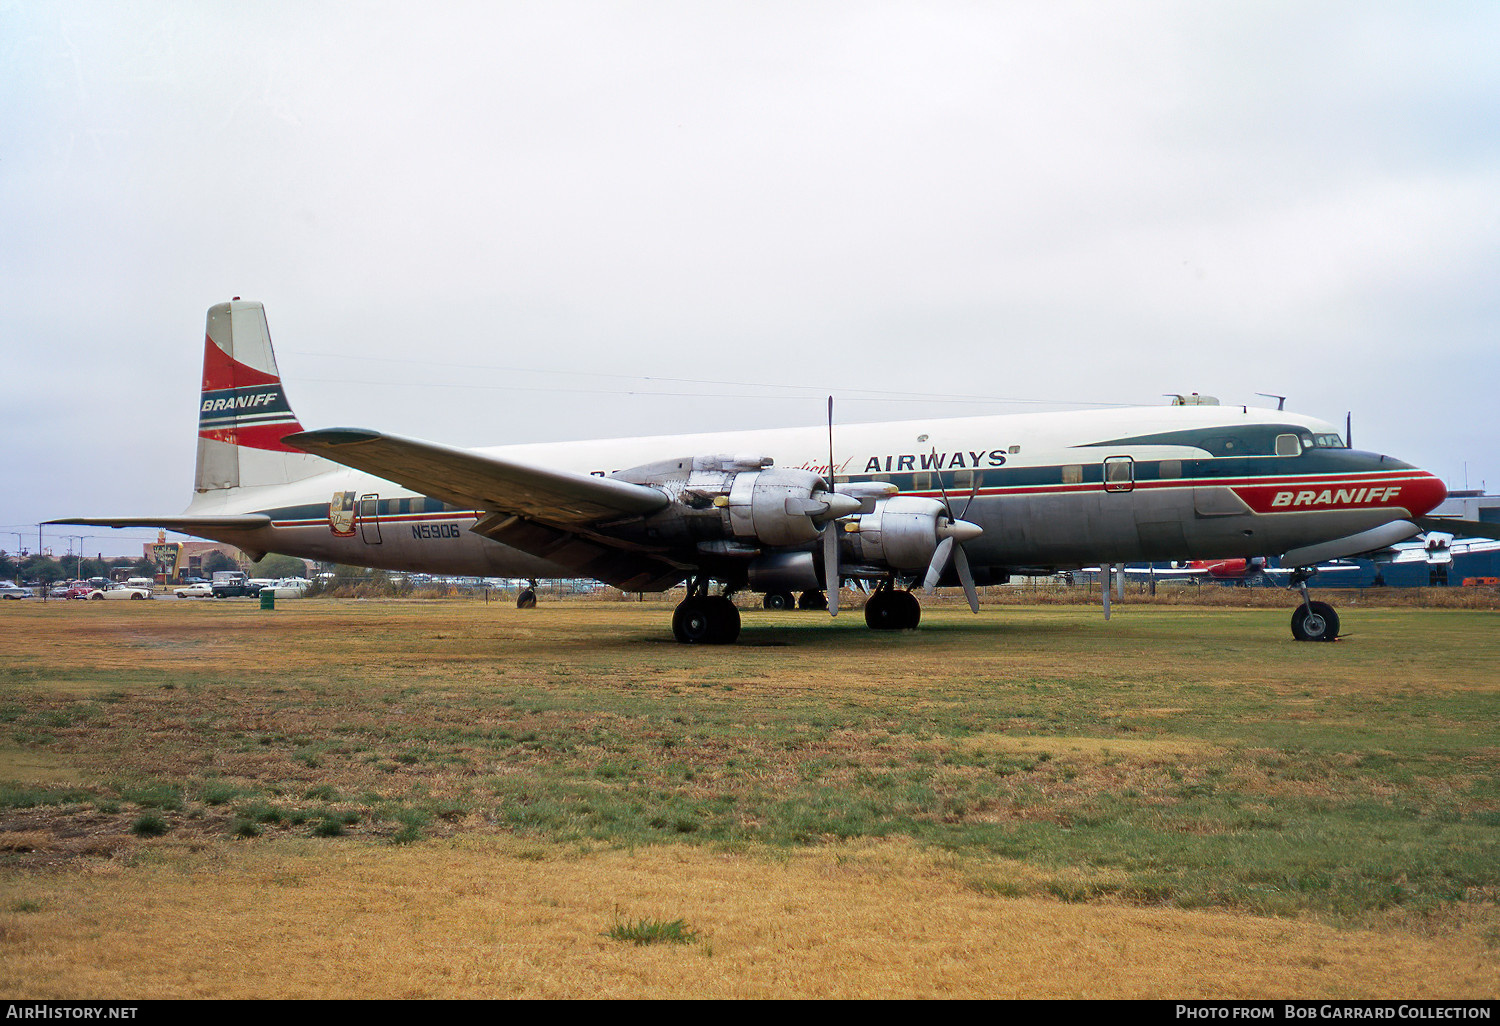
(892, 611)
(779, 600)
(712, 620)
(527, 599)
(813, 600)
(1315, 621)
(911, 609)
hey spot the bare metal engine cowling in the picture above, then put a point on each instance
(736, 505)
(902, 532)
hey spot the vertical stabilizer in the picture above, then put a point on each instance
(243, 412)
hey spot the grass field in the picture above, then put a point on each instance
(349, 798)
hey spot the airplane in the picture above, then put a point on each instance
(1437, 547)
(943, 502)
(1240, 570)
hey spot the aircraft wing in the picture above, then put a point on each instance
(1438, 547)
(1160, 574)
(1458, 527)
(1323, 568)
(557, 515)
(556, 497)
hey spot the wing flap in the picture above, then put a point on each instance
(465, 478)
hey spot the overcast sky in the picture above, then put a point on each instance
(504, 222)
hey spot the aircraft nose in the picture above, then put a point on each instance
(1425, 494)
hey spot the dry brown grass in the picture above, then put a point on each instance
(88, 910)
(481, 918)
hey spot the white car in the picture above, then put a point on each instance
(204, 590)
(288, 587)
(8, 589)
(120, 593)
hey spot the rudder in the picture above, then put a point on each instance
(243, 412)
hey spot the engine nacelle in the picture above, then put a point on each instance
(901, 533)
(783, 571)
(732, 505)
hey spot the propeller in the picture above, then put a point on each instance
(952, 533)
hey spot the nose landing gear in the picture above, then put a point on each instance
(1312, 621)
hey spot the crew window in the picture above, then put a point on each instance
(1072, 474)
(1328, 441)
(1288, 445)
(1119, 474)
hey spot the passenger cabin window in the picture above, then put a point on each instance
(1119, 474)
(963, 480)
(1072, 474)
(921, 482)
(1169, 469)
(1288, 445)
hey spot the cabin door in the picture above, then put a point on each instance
(369, 518)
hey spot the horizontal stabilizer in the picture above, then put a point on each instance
(180, 523)
(473, 480)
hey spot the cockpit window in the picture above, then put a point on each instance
(1288, 445)
(1329, 441)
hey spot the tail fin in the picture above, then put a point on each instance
(243, 414)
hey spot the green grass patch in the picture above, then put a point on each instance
(651, 931)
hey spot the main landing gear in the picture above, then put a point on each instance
(527, 598)
(704, 619)
(888, 609)
(1312, 621)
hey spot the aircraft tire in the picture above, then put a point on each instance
(726, 621)
(707, 621)
(911, 609)
(813, 600)
(527, 599)
(1315, 621)
(892, 611)
(778, 600)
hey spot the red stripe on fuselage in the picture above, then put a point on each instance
(1417, 495)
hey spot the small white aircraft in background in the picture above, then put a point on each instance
(1437, 548)
(942, 502)
(1238, 571)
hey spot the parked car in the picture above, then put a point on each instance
(203, 590)
(11, 590)
(233, 584)
(120, 592)
(288, 587)
(81, 590)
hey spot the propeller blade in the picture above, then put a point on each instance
(938, 565)
(966, 578)
(831, 565)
